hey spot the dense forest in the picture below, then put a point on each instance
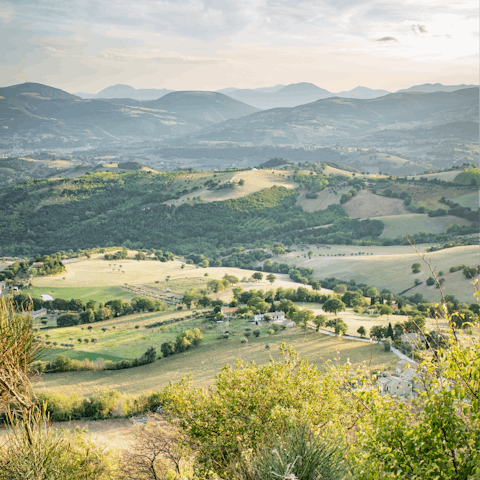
(106, 209)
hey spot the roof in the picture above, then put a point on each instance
(402, 363)
(229, 309)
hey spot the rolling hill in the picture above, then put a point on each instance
(337, 119)
(36, 114)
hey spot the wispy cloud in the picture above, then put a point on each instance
(387, 39)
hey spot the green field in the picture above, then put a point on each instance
(468, 200)
(206, 361)
(429, 195)
(99, 294)
(52, 353)
(412, 223)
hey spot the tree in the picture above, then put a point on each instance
(303, 317)
(271, 277)
(362, 331)
(385, 310)
(372, 292)
(158, 452)
(320, 321)
(316, 285)
(340, 327)
(340, 288)
(333, 305)
(389, 332)
(416, 267)
(377, 332)
(257, 276)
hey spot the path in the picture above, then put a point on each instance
(398, 353)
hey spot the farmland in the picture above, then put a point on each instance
(206, 361)
(412, 223)
(367, 205)
(390, 267)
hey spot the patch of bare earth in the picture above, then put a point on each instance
(366, 205)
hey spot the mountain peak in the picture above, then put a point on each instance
(302, 87)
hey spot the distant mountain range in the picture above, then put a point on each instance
(48, 116)
(336, 119)
(269, 97)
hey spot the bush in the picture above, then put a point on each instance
(298, 454)
(48, 454)
(256, 332)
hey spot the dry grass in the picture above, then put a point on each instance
(390, 267)
(207, 360)
(325, 198)
(254, 182)
(412, 223)
(367, 205)
(447, 176)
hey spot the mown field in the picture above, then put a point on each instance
(390, 267)
(206, 361)
(367, 205)
(325, 198)
(412, 223)
(254, 182)
(428, 195)
(99, 294)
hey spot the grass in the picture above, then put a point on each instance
(53, 353)
(412, 223)
(447, 176)
(427, 196)
(390, 267)
(325, 198)
(467, 176)
(207, 360)
(99, 294)
(468, 200)
(367, 205)
(254, 182)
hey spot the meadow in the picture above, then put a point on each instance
(255, 180)
(204, 362)
(367, 205)
(390, 267)
(412, 223)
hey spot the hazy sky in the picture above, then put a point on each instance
(87, 45)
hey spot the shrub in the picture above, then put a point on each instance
(256, 332)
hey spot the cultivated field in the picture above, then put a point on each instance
(207, 360)
(367, 205)
(427, 196)
(102, 280)
(447, 176)
(468, 200)
(411, 223)
(390, 267)
(325, 198)
(254, 182)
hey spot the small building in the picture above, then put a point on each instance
(273, 316)
(36, 265)
(402, 365)
(395, 386)
(286, 322)
(229, 312)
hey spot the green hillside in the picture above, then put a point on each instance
(128, 209)
(468, 177)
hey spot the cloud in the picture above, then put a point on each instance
(387, 39)
(419, 29)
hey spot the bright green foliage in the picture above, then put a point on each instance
(249, 404)
(333, 305)
(436, 436)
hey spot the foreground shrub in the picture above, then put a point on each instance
(297, 454)
(47, 454)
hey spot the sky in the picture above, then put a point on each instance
(87, 45)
